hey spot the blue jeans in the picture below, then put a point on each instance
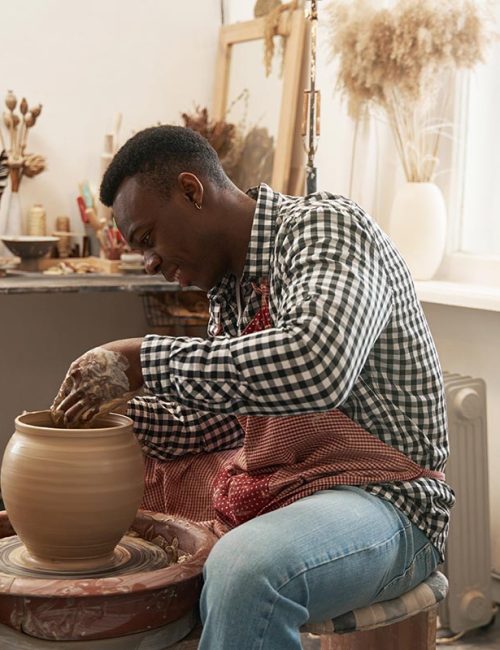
(312, 560)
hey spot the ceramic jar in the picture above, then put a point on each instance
(10, 218)
(71, 494)
(417, 225)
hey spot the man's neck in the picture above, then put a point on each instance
(244, 208)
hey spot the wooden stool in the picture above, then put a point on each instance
(404, 623)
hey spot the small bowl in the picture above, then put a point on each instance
(29, 247)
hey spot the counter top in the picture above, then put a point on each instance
(23, 282)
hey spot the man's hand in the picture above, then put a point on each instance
(97, 381)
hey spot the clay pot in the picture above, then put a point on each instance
(71, 494)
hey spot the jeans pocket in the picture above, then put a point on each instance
(423, 564)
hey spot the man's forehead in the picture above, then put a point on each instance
(127, 192)
(130, 203)
(132, 197)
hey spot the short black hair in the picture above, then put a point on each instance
(158, 155)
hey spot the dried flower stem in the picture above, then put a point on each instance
(19, 163)
(395, 59)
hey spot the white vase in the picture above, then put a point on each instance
(10, 218)
(417, 226)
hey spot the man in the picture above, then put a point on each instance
(310, 425)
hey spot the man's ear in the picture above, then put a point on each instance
(192, 188)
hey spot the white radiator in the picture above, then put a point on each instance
(468, 556)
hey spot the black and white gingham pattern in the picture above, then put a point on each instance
(348, 333)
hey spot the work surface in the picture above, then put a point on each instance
(20, 282)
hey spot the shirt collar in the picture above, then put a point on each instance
(261, 244)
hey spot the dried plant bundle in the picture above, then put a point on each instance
(246, 154)
(399, 59)
(17, 126)
(271, 11)
(219, 133)
(227, 138)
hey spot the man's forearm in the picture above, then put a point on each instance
(131, 350)
(168, 430)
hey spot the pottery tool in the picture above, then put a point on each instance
(109, 150)
(86, 194)
(82, 208)
(89, 215)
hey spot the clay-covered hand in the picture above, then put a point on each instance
(97, 382)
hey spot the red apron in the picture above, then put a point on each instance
(282, 459)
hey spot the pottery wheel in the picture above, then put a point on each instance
(139, 590)
(132, 555)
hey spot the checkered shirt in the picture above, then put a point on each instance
(349, 333)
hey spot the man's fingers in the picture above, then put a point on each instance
(71, 381)
(70, 400)
(77, 412)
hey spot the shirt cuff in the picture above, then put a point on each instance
(155, 352)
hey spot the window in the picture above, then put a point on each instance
(477, 160)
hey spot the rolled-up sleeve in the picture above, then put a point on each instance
(332, 300)
(167, 430)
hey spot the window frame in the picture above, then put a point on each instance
(459, 266)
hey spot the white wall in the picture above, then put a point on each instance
(468, 342)
(85, 60)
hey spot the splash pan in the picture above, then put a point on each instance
(135, 592)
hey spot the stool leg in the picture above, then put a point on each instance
(416, 633)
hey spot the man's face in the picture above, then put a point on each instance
(176, 238)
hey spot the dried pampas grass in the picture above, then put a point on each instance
(396, 58)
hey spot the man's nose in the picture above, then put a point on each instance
(152, 263)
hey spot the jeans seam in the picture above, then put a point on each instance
(427, 549)
(304, 570)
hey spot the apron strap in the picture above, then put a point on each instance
(430, 473)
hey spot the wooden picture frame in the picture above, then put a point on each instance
(292, 26)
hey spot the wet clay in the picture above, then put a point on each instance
(95, 384)
(71, 494)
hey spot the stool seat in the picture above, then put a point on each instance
(408, 622)
(422, 598)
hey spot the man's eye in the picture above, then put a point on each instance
(146, 240)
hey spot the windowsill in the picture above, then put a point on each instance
(459, 294)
